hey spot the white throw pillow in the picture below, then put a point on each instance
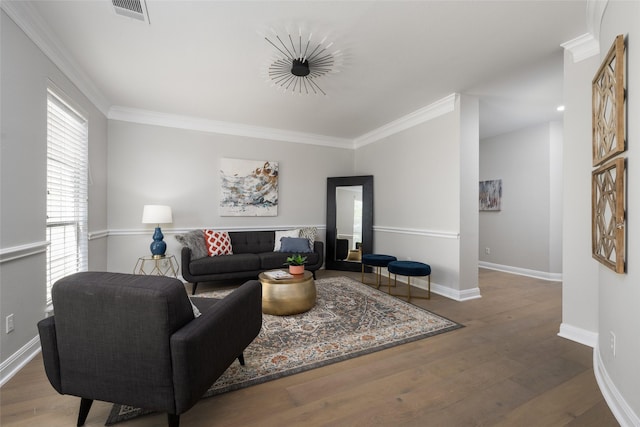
(284, 233)
(309, 233)
(196, 312)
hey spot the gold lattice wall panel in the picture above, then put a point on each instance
(608, 215)
(608, 105)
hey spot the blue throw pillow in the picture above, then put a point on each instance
(295, 244)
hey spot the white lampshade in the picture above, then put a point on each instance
(156, 214)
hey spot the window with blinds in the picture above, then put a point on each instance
(67, 182)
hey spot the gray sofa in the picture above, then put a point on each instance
(253, 252)
(136, 340)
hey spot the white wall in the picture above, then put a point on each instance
(597, 301)
(555, 197)
(417, 197)
(579, 270)
(525, 235)
(154, 164)
(25, 74)
(469, 172)
(619, 294)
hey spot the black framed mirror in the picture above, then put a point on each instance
(349, 221)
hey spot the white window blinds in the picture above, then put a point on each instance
(67, 182)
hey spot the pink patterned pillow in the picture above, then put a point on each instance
(218, 242)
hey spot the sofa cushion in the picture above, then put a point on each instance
(284, 233)
(218, 242)
(251, 242)
(295, 244)
(225, 264)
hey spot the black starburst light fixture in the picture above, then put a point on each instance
(301, 63)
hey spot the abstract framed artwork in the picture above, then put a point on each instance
(248, 188)
(490, 195)
(608, 105)
(608, 214)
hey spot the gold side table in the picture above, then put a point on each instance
(150, 266)
(283, 297)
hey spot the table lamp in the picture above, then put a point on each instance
(157, 214)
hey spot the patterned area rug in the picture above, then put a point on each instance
(350, 319)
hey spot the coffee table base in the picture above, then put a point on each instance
(285, 297)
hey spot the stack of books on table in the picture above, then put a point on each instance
(278, 274)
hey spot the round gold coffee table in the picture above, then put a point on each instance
(283, 297)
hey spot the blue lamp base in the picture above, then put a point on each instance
(158, 246)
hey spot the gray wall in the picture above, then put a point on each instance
(419, 191)
(619, 294)
(154, 164)
(579, 270)
(469, 173)
(421, 200)
(25, 74)
(597, 301)
(525, 235)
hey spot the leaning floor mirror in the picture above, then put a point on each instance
(349, 221)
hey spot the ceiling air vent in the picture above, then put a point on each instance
(136, 9)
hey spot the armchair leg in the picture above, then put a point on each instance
(174, 420)
(195, 285)
(85, 405)
(241, 359)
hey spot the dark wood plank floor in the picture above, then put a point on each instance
(507, 367)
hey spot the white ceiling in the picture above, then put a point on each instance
(207, 59)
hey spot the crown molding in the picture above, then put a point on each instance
(588, 45)
(25, 15)
(431, 111)
(29, 20)
(135, 115)
(595, 12)
(582, 47)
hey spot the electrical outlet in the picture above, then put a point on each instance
(612, 343)
(487, 251)
(9, 323)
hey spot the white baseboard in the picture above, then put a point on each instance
(544, 275)
(445, 291)
(18, 360)
(579, 335)
(618, 405)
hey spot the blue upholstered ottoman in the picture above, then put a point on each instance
(378, 261)
(410, 269)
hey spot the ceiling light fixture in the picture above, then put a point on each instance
(560, 108)
(301, 62)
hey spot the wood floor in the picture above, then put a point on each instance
(507, 367)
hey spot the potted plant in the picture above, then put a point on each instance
(296, 263)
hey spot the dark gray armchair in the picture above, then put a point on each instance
(133, 340)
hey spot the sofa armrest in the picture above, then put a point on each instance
(185, 261)
(318, 247)
(204, 348)
(50, 357)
